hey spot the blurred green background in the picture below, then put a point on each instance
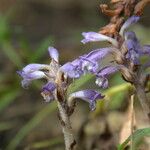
(27, 28)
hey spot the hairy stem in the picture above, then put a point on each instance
(145, 103)
(66, 128)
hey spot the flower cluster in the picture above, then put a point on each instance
(126, 56)
(51, 73)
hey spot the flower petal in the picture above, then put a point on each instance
(108, 70)
(128, 23)
(33, 75)
(34, 67)
(48, 91)
(90, 96)
(133, 46)
(102, 82)
(25, 83)
(146, 49)
(72, 71)
(92, 59)
(53, 53)
(94, 37)
(102, 75)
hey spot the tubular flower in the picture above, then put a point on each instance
(90, 96)
(51, 72)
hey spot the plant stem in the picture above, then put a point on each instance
(66, 127)
(145, 103)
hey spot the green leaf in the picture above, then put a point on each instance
(7, 98)
(138, 134)
(36, 120)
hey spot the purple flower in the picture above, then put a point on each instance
(146, 50)
(72, 69)
(90, 96)
(103, 74)
(129, 22)
(91, 61)
(29, 76)
(48, 91)
(95, 37)
(135, 50)
(39, 71)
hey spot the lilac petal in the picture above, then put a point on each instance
(33, 75)
(146, 49)
(53, 53)
(92, 59)
(72, 71)
(47, 91)
(129, 22)
(108, 70)
(90, 96)
(34, 67)
(25, 83)
(50, 86)
(94, 37)
(133, 46)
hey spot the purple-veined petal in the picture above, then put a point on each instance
(47, 91)
(53, 53)
(92, 59)
(128, 23)
(95, 37)
(90, 96)
(108, 70)
(34, 67)
(72, 71)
